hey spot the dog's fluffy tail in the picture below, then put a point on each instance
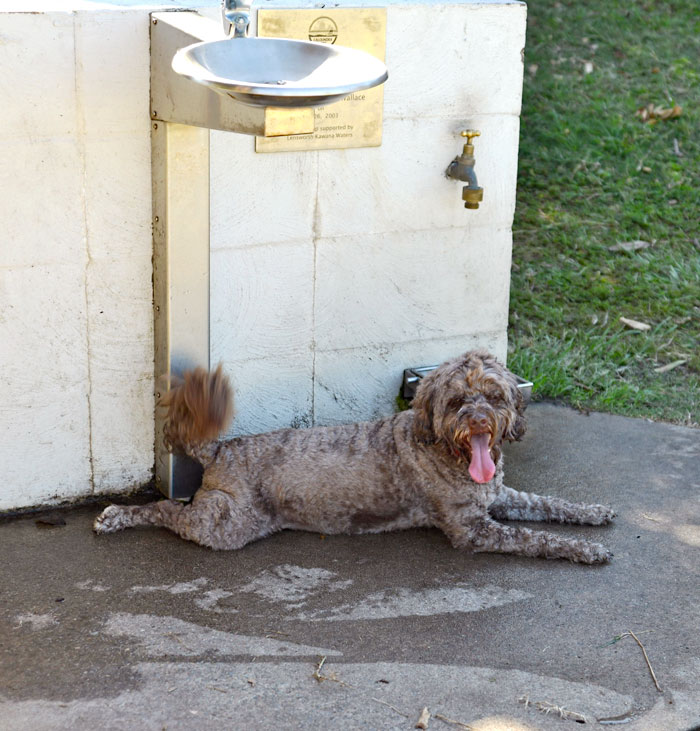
(199, 407)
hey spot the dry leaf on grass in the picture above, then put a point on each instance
(635, 324)
(652, 113)
(630, 246)
(670, 366)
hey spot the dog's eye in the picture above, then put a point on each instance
(455, 403)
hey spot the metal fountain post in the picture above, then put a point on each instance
(182, 113)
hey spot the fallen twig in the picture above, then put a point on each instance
(393, 708)
(646, 657)
(617, 638)
(424, 718)
(453, 722)
(547, 708)
(629, 633)
(317, 673)
(220, 690)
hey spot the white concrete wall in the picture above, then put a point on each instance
(337, 269)
(332, 271)
(76, 350)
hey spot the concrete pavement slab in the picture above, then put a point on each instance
(143, 630)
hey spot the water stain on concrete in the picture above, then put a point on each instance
(293, 584)
(181, 587)
(36, 621)
(169, 636)
(427, 602)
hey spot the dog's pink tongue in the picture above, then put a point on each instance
(481, 468)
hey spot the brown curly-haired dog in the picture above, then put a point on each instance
(438, 464)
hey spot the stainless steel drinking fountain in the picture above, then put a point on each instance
(266, 87)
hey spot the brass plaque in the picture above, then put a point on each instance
(288, 121)
(355, 121)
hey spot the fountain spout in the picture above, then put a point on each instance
(235, 15)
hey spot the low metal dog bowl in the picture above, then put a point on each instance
(413, 376)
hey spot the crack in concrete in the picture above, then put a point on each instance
(316, 235)
(81, 143)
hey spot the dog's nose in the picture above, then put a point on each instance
(481, 423)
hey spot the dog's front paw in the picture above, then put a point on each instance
(111, 519)
(592, 553)
(599, 514)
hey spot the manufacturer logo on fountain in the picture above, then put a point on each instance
(323, 30)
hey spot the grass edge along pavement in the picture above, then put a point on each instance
(610, 156)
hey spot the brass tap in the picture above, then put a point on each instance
(468, 148)
(462, 168)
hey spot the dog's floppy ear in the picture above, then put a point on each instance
(423, 412)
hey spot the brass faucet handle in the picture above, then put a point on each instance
(469, 133)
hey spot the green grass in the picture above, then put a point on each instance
(592, 174)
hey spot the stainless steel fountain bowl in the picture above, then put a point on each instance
(279, 72)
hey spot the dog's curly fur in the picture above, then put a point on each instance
(437, 464)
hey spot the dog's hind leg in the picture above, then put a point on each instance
(213, 519)
(514, 505)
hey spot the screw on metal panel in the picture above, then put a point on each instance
(155, 126)
(155, 21)
(154, 114)
(157, 394)
(157, 308)
(156, 219)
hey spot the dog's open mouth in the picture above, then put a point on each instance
(481, 468)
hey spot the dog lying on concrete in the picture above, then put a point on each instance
(437, 464)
